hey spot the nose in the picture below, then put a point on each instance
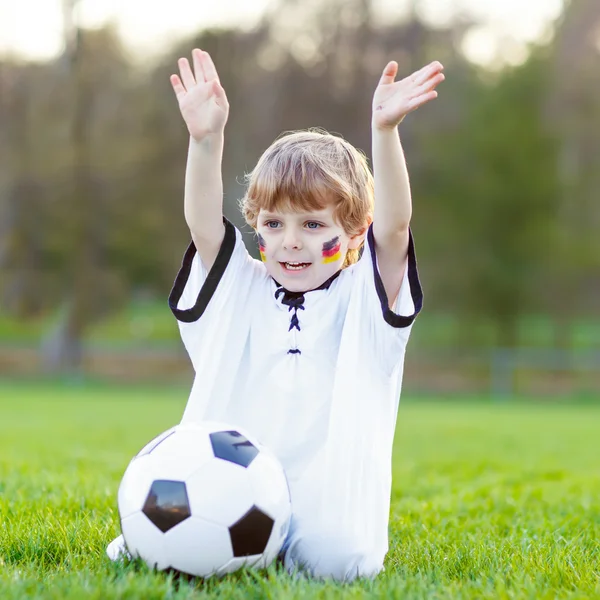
(292, 240)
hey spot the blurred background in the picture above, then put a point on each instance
(504, 172)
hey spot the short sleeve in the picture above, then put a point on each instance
(194, 288)
(213, 310)
(386, 330)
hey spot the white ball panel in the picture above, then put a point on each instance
(198, 547)
(220, 491)
(174, 468)
(269, 484)
(192, 446)
(143, 539)
(237, 563)
(135, 485)
(192, 441)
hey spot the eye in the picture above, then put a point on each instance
(313, 225)
(271, 224)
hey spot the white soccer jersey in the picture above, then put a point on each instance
(316, 377)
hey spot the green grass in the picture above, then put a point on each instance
(489, 500)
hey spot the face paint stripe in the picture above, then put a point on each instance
(331, 250)
(261, 247)
(331, 244)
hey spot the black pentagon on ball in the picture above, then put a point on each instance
(167, 504)
(234, 447)
(250, 535)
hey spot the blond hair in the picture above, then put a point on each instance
(305, 171)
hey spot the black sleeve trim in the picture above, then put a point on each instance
(213, 278)
(416, 291)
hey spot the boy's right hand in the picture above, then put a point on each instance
(202, 100)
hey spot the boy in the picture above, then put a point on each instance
(306, 348)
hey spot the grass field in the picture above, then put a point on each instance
(489, 501)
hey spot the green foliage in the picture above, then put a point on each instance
(489, 500)
(495, 200)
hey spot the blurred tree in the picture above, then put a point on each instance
(86, 288)
(21, 193)
(494, 185)
(572, 109)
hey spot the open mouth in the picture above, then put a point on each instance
(295, 266)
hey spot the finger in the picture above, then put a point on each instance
(414, 77)
(177, 86)
(210, 71)
(186, 73)
(219, 93)
(429, 84)
(426, 72)
(418, 101)
(389, 73)
(198, 67)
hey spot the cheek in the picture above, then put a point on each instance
(262, 246)
(331, 251)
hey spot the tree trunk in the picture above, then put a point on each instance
(63, 350)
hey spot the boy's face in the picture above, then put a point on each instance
(302, 250)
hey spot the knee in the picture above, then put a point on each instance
(332, 557)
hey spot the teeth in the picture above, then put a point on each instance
(295, 266)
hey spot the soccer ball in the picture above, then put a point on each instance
(204, 499)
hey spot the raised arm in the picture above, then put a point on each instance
(204, 108)
(392, 101)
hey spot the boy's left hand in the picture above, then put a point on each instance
(393, 100)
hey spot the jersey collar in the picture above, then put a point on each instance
(290, 295)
